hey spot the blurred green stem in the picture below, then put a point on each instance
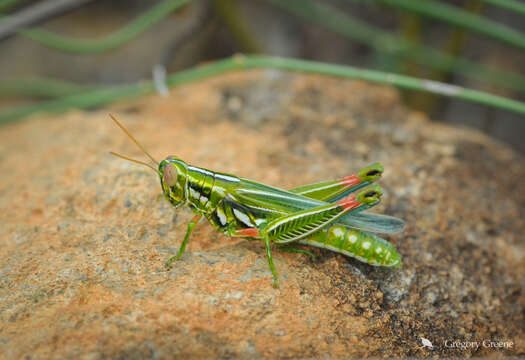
(456, 42)
(512, 5)
(385, 42)
(41, 87)
(411, 32)
(447, 13)
(103, 96)
(111, 41)
(230, 14)
(458, 38)
(6, 4)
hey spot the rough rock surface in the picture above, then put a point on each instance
(83, 235)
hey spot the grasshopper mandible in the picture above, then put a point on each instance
(327, 214)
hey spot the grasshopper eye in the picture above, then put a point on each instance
(170, 175)
(371, 194)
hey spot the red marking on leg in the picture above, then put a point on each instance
(351, 180)
(349, 202)
(196, 218)
(253, 232)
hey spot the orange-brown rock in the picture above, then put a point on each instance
(83, 235)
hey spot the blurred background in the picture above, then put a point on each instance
(53, 49)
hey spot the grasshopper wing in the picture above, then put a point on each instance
(377, 223)
(273, 202)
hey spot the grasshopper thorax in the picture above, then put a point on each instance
(173, 177)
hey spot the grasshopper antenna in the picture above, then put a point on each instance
(133, 160)
(136, 143)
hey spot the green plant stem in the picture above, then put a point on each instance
(103, 96)
(111, 41)
(459, 35)
(455, 44)
(396, 80)
(512, 5)
(411, 28)
(230, 14)
(6, 4)
(459, 17)
(41, 87)
(84, 100)
(385, 42)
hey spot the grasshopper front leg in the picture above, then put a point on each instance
(182, 248)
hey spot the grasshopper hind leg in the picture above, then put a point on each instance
(296, 250)
(256, 233)
(296, 226)
(270, 262)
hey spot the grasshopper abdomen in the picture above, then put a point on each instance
(363, 246)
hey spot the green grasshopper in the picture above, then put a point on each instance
(327, 215)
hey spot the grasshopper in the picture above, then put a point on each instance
(328, 214)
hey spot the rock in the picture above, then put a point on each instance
(84, 235)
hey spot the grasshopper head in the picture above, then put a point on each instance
(172, 171)
(173, 176)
